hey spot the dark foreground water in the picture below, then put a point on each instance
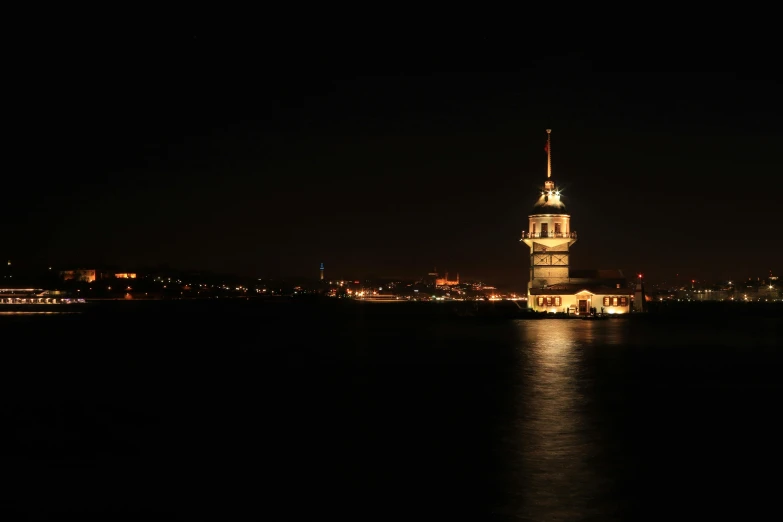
(369, 411)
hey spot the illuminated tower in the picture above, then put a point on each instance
(549, 235)
(638, 296)
(322, 271)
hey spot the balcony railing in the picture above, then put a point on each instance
(545, 235)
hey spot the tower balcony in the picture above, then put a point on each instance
(548, 239)
(548, 235)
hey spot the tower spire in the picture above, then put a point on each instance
(548, 153)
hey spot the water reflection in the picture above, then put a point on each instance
(555, 435)
(35, 313)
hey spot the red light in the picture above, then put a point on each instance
(693, 280)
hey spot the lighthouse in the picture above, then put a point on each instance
(554, 287)
(549, 235)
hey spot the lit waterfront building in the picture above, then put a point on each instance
(553, 286)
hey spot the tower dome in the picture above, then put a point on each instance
(550, 201)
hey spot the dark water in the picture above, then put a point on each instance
(385, 410)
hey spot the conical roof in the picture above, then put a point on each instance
(549, 203)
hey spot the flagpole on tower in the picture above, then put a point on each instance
(549, 153)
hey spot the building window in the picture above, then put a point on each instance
(534, 229)
(623, 301)
(549, 301)
(544, 229)
(557, 229)
(606, 301)
(614, 301)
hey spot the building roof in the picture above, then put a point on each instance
(547, 204)
(572, 288)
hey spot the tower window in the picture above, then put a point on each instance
(534, 229)
(557, 229)
(544, 229)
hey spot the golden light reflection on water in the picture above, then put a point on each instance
(555, 438)
(36, 313)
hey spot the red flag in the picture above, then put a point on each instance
(546, 147)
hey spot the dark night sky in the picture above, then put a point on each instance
(266, 157)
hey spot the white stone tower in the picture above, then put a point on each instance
(549, 233)
(638, 296)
